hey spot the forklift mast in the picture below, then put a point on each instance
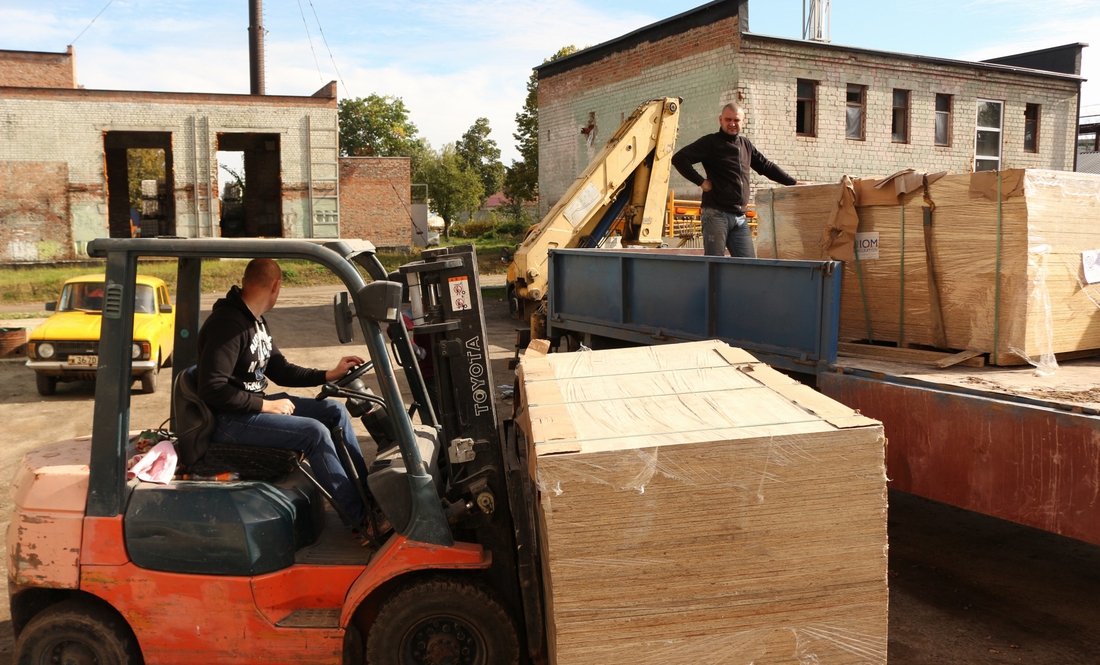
(445, 294)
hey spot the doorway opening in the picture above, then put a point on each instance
(140, 192)
(250, 185)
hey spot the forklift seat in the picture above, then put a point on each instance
(202, 457)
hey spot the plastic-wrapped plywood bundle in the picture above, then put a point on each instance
(995, 262)
(696, 506)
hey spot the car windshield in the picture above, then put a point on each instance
(88, 297)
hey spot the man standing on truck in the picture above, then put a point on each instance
(237, 356)
(726, 156)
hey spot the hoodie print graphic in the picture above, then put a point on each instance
(260, 346)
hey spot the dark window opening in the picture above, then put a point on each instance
(250, 185)
(855, 111)
(943, 120)
(806, 111)
(140, 193)
(1031, 128)
(899, 127)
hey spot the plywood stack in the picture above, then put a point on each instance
(697, 506)
(1009, 274)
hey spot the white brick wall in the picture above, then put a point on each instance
(762, 75)
(72, 131)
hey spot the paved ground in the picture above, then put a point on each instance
(965, 589)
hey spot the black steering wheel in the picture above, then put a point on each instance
(354, 374)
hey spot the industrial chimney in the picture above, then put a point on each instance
(815, 20)
(256, 46)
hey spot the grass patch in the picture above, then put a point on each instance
(40, 284)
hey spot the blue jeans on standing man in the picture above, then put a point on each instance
(724, 230)
(307, 430)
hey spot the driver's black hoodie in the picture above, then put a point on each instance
(237, 357)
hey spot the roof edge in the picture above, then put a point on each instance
(166, 97)
(682, 22)
(917, 58)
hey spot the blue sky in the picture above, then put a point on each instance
(455, 60)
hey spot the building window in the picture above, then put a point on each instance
(857, 105)
(943, 119)
(1031, 128)
(899, 128)
(987, 140)
(806, 109)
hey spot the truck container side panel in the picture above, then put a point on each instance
(1029, 464)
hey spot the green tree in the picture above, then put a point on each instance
(142, 164)
(375, 126)
(482, 155)
(521, 180)
(453, 187)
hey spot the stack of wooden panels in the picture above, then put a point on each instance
(697, 506)
(1023, 302)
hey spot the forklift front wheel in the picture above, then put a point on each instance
(442, 620)
(77, 631)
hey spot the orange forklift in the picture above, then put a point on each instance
(259, 569)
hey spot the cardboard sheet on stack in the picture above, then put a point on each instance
(1009, 274)
(698, 507)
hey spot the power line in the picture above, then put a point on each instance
(93, 21)
(321, 30)
(310, 40)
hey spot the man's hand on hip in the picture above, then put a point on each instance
(283, 407)
(342, 367)
(707, 185)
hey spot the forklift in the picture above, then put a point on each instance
(259, 569)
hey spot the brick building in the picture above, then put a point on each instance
(375, 202)
(818, 110)
(64, 174)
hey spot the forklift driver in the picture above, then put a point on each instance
(237, 357)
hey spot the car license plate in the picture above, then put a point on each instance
(89, 361)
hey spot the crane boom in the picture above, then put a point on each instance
(634, 163)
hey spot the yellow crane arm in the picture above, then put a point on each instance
(642, 147)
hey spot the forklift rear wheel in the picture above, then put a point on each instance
(442, 621)
(47, 385)
(77, 632)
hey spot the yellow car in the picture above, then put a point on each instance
(66, 346)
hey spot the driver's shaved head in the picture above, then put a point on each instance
(261, 274)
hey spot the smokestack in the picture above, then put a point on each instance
(256, 46)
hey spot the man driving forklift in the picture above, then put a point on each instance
(237, 357)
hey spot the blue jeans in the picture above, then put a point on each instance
(308, 430)
(725, 230)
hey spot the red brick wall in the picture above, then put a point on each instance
(374, 200)
(32, 69)
(34, 212)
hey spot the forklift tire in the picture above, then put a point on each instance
(442, 620)
(77, 631)
(47, 385)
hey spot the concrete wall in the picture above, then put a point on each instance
(34, 69)
(711, 65)
(375, 201)
(68, 127)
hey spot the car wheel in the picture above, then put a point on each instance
(76, 631)
(47, 385)
(442, 620)
(149, 379)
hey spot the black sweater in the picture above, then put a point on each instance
(726, 159)
(237, 356)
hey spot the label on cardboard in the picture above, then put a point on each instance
(867, 245)
(587, 199)
(1090, 261)
(459, 288)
